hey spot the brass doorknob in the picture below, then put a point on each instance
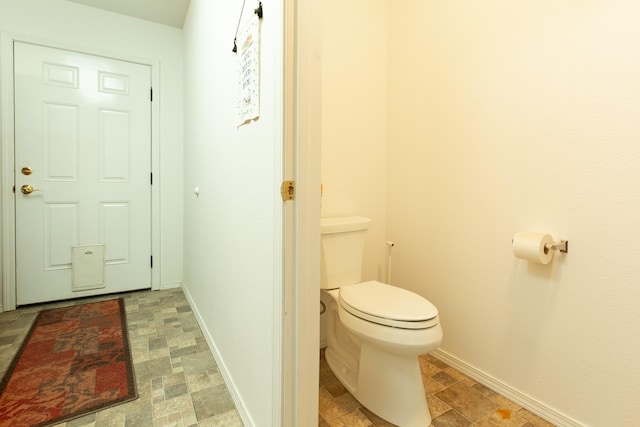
(27, 189)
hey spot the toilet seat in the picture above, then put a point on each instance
(388, 305)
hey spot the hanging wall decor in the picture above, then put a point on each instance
(249, 71)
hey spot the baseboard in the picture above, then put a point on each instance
(543, 411)
(237, 400)
(174, 285)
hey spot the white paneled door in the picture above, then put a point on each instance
(82, 174)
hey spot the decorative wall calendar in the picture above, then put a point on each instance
(249, 72)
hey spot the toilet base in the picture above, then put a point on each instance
(346, 372)
(395, 393)
(389, 384)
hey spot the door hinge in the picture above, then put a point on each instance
(151, 174)
(151, 98)
(288, 190)
(151, 261)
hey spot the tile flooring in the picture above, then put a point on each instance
(179, 384)
(454, 401)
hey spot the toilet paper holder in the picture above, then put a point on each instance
(562, 246)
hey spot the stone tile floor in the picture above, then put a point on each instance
(454, 401)
(180, 385)
(178, 382)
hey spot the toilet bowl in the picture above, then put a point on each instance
(375, 331)
(398, 320)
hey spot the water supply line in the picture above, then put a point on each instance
(390, 245)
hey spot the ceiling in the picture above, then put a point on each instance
(167, 12)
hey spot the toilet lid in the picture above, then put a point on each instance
(388, 305)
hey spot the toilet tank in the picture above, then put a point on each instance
(342, 240)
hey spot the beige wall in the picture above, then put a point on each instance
(507, 116)
(354, 119)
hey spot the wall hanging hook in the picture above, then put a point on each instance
(258, 10)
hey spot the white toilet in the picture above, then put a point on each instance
(375, 331)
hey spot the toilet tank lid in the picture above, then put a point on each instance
(344, 224)
(389, 302)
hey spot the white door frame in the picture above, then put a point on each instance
(7, 157)
(302, 126)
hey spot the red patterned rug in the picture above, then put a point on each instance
(74, 361)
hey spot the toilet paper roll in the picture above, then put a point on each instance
(529, 246)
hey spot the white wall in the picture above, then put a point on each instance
(508, 116)
(505, 116)
(233, 230)
(70, 25)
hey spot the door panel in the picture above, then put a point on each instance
(83, 127)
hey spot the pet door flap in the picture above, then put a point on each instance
(87, 264)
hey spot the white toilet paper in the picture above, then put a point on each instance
(529, 246)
